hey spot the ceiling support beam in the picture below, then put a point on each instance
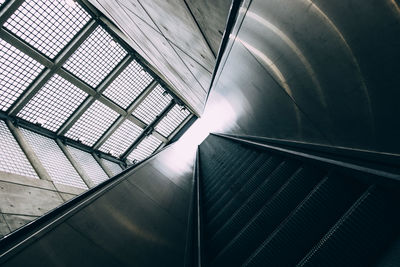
(85, 178)
(128, 115)
(149, 129)
(9, 9)
(56, 64)
(29, 152)
(93, 94)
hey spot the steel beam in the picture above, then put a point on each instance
(9, 9)
(85, 178)
(48, 73)
(102, 165)
(28, 151)
(149, 129)
(128, 114)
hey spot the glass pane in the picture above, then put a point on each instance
(53, 159)
(89, 165)
(128, 85)
(144, 149)
(122, 138)
(53, 104)
(47, 25)
(172, 120)
(95, 58)
(93, 123)
(152, 106)
(12, 158)
(17, 71)
(112, 166)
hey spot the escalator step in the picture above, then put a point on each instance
(253, 230)
(236, 185)
(307, 224)
(245, 192)
(360, 235)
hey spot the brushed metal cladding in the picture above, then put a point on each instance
(171, 37)
(140, 221)
(321, 72)
(211, 15)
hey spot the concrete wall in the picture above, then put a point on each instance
(23, 199)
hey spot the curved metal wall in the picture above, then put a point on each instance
(141, 220)
(322, 72)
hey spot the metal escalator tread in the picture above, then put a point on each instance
(307, 224)
(245, 192)
(237, 184)
(361, 234)
(251, 206)
(224, 183)
(221, 173)
(253, 230)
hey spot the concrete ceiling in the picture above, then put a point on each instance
(179, 38)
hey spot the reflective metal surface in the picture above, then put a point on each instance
(141, 221)
(179, 38)
(322, 72)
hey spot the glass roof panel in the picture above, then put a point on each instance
(172, 120)
(144, 149)
(95, 58)
(128, 85)
(152, 105)
(47, 25)
(53, 104)
(89, 165)
(93, 123)
(12, 158)
(122, 138)
(53, 159)
(17, 71)
(112, 166)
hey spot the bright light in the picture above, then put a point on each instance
(113, 43)
(71, 3)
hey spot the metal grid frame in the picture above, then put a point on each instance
(172, 120)
(48, 26)
(92, 124)
(53, 104)
(128, 85)
(52, 64)
(121, 139)
(17, 71)
(95, 58)
(145, 148)
(53, 159)
(112, 166)
(12, 158)
(152, 106)
(89, 165)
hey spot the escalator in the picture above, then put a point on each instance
(237, 203)
(262, 207)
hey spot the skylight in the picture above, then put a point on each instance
(121, 139)
(93, 123)
(95, 58)
(47, 25)
(144, 149)
(12, 158)
(54, 160)
(172, 120)
(128, 85)
(53, 104)
(152, 106)
(17, 71)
